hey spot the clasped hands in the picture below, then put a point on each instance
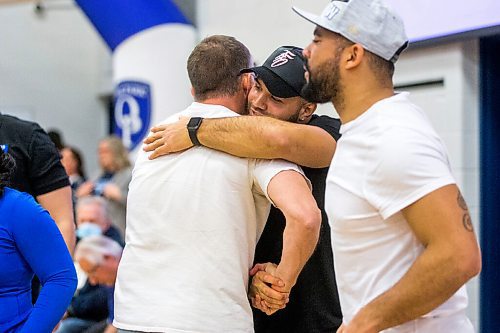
(268, 292)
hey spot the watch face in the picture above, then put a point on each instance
(194, 122)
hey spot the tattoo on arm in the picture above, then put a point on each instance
(466, 220)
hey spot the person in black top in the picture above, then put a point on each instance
(306, 139)
(39, 171)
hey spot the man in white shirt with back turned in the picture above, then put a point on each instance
(194, 217)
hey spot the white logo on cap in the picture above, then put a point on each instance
(282, 58)
(331, 11)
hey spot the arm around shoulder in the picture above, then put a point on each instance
(269, 138)
(253, 137)
(306, 145)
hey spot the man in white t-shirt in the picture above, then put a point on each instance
(402, 237)
(194, 218)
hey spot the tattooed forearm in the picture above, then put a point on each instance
(466, 220)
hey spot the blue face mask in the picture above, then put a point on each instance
(86, 229)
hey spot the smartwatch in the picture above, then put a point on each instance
(192, 127)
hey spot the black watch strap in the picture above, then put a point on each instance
(192, 127)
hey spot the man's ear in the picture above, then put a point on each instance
(247, 82)
(192, 92)
(307, 111)
(353, 56)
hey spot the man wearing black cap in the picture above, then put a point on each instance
(313, 304)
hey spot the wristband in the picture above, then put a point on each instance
(192, 126)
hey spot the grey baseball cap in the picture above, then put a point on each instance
(370, 23)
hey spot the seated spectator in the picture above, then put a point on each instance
(99, 257)
(30, 243)
(92, 217)
(73, 164)
(113, 179)
(90, 306)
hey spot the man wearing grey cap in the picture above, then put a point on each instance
(402, 236)
(313, 305)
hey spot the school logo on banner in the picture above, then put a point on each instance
(132, 112)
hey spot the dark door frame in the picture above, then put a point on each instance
(490, 182)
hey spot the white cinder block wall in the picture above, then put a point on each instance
(50, 69)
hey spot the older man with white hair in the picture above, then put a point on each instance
(99, 256)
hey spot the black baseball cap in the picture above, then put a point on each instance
(282, 72)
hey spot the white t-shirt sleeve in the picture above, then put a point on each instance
(265, 170)
(409, 165)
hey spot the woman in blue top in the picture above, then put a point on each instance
(30, 243)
